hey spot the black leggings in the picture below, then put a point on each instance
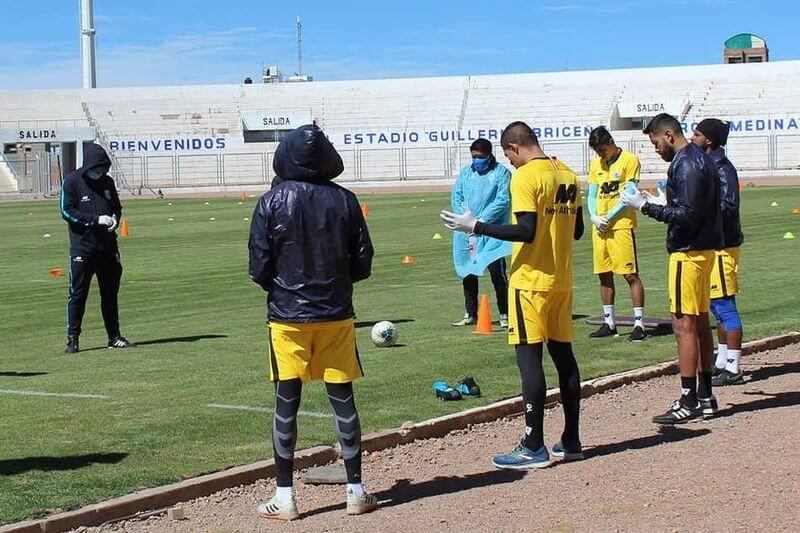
(284, 431)
(529, 361)
(497, 270)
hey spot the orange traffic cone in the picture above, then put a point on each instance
(124, 230)
(57, 272)
(796, 211)
(484, 326)
(408, 260)
(244, 196)
(365, 210)
(741, 187)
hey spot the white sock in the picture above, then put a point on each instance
(638, 317)
(608, 315)
(355, 488)
(284, 494)
(732, 364)
(722, 356)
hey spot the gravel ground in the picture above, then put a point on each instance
(737, 472)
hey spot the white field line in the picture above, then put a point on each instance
(265, 410)
(55, 394)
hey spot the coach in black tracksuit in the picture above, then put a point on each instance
(90, 205)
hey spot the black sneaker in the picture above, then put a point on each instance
(717, 371)
(120, 342)
(468, 387)
(709, 406)
(568, 453)
(637, 335)
(679, 414)
(604, 331)
(72, 344)
(725, 378)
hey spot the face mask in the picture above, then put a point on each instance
(480, 164)
(93, 174)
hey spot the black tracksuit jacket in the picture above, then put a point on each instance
(729, 198)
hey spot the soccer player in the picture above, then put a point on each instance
(483, 188)
(308, 244)
(90, 205)
(613, 239)
(692, 211)
(545, 218)
(711, 135)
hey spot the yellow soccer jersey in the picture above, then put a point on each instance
(609, 181)
(550, 189)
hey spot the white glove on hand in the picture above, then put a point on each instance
(115, 225)
(635, 200)
(601, 223)
(105, 220)
(465, 222)
(659, 199)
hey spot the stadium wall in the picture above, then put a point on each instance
(397, 132)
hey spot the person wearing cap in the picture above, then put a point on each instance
(711, 135)
(482, 188)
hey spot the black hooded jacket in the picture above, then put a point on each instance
(729, 198)
(308, 238)
(83, 200)
(693, 208)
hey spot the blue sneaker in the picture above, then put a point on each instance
(571, 454)
(521, 458)
(445, 392)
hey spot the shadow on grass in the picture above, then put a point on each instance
(10, 467)
(669, 434)
(770, 371)
(12, 374)
(369, 324)
(578, 317)
(404, 491)
(169, 340)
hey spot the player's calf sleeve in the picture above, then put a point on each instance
(569, 382)
(529, 361)
(725, 312)
(284, 428)
(347, 427)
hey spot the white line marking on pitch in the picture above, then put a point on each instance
(265, 410)
(56, 394)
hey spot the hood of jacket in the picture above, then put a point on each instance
(306, 154)
(95, 158)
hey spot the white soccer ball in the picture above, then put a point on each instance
(384, 334)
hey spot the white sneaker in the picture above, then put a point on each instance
(276, 510)
(466, 321)
(360, 504)
(504, 321)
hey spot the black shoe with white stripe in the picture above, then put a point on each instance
(603, 332)
(120, 342)
(709, 406)
(679, 414)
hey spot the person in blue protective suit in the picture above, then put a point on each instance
(711, 135)
(482, 187)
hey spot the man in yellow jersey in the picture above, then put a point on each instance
(613, 238)
(691, 209)
(308, 245)
(545, 218)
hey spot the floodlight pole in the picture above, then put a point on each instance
(299, 47)
(88, 48)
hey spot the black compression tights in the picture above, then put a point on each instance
(284, 431)
(529, 361)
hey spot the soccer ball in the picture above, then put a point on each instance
(384, 334)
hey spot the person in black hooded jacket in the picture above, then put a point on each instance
(308, 245)
(90, 205)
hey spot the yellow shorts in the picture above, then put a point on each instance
(615, 252)
(689, 281)
(725, 274)
(314, 351)
(539, 316)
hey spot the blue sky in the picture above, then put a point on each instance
(169, 42)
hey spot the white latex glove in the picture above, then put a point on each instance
(601, 223)
(635, 200)
(114, 226)
(659, 199)
(465, 222)
(105, 220)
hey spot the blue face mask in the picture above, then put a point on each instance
(480, 164)
(93, 174)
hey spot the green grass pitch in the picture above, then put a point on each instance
(187, 299)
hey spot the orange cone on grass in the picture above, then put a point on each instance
(365, 210)
(124, 230)
(244, 196)
(484, 326)
(408, 260)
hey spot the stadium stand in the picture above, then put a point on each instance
(398, 131)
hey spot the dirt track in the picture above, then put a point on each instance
(738, 472)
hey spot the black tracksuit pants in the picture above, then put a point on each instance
(497, 270)
(108, 269)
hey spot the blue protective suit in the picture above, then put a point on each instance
(487, 196)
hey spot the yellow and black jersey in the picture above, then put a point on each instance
(610, 179)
